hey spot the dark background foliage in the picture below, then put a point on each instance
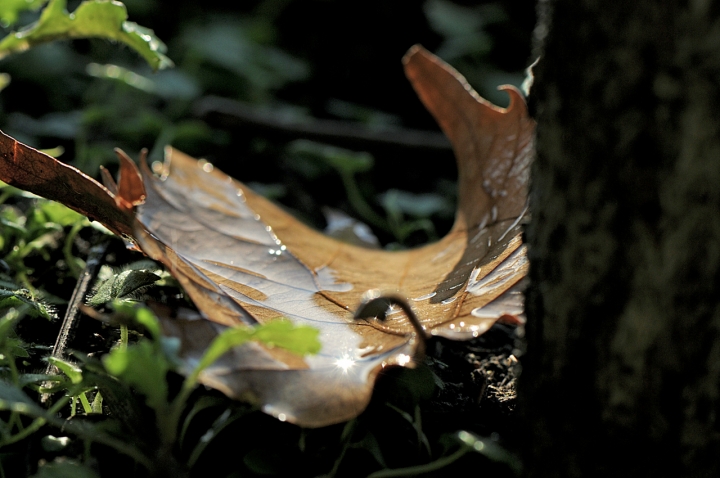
(298, 59)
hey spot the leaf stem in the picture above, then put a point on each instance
(67, 248)
(124, 337)
(85, 403)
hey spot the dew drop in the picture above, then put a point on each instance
(205, 165)
(282, 417)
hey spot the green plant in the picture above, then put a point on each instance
(142, 366)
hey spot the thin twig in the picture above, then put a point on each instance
(233, 114)
(70, 321)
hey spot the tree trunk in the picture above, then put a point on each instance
(622, 371)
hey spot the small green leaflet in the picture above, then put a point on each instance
(299, 339)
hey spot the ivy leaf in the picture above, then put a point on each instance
(92, 19)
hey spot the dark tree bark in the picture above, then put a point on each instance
(622, 371)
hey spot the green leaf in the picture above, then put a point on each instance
(490, 449)
(343, 160)
(29, 378)
(92, 19)
(59, 214)
(418, 205)
(115, 72)
(302, 340)
(10, 345)
(11, 191)
(241, 47)
(4, 80)
(23, 300)
(65, 469)
(10, 9)
(72, 371)
(140, 315)
(225, 341)
(143, 366)
(123, 285)
(14, 399)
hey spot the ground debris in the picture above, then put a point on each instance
(498, 373)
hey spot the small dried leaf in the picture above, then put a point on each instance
(130, 188)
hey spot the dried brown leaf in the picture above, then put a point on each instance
(244, 261)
